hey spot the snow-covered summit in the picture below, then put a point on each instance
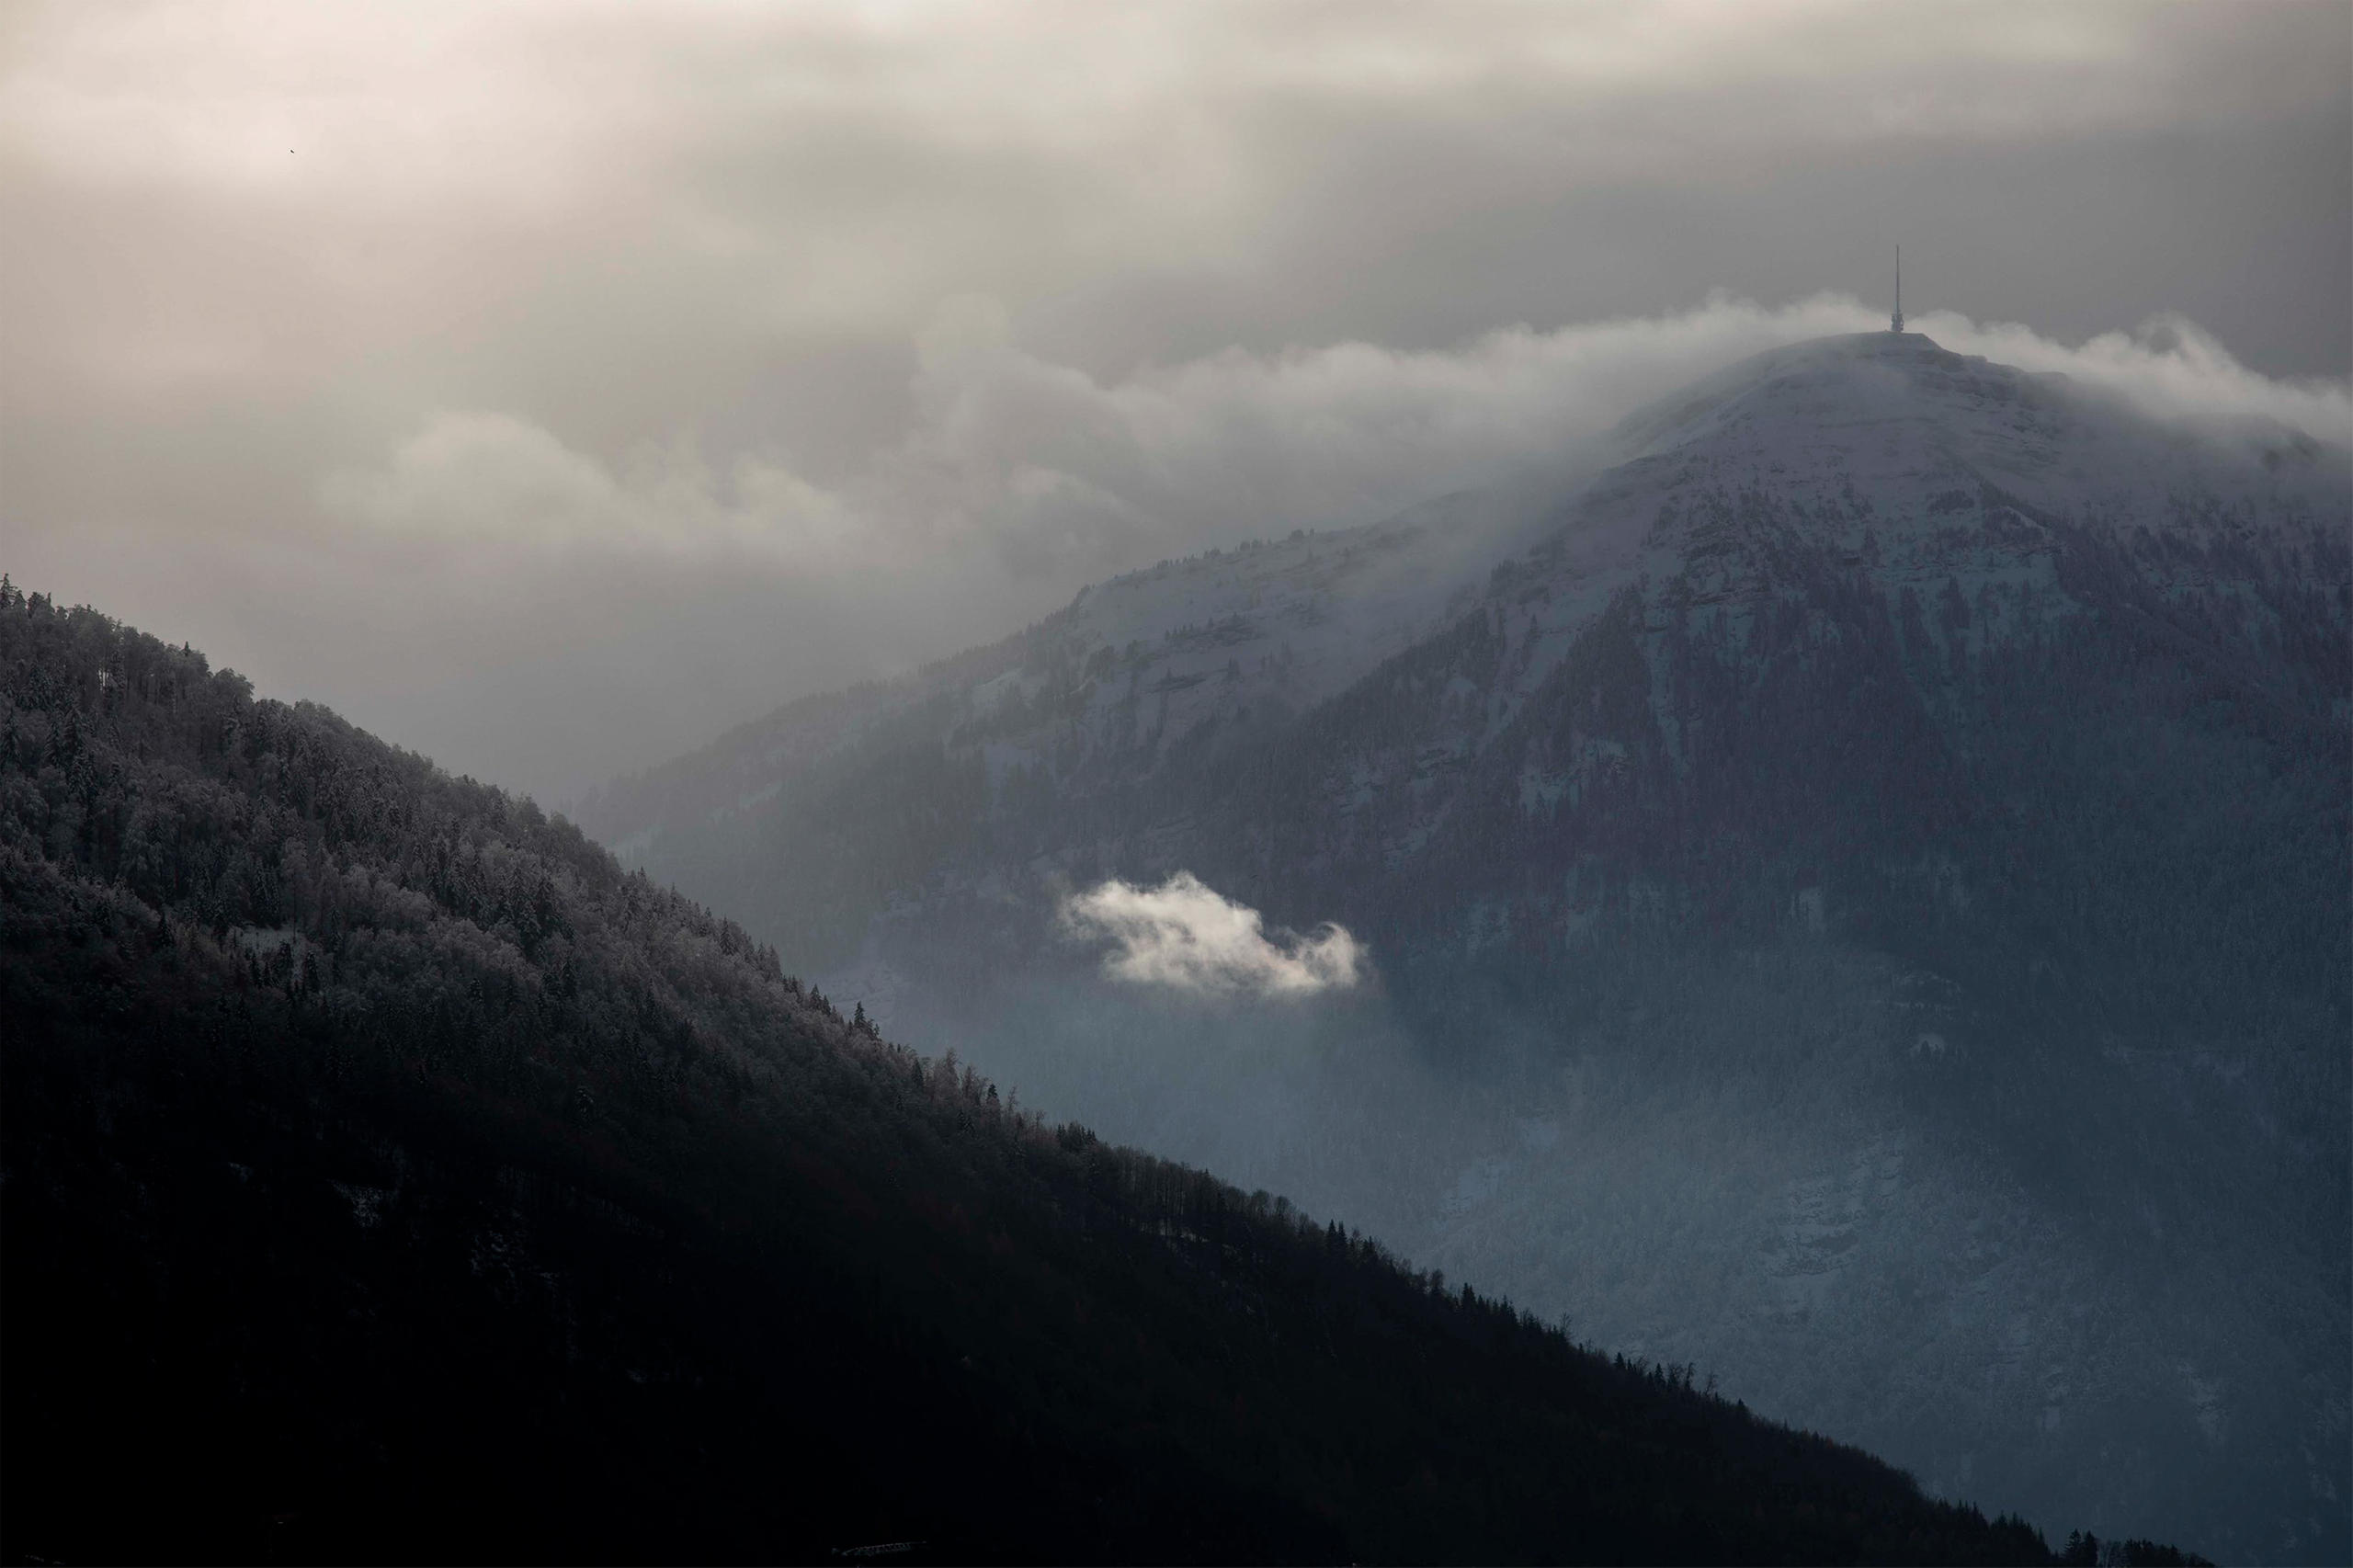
(1884, 413)
(1913, 460)
(1892, 450)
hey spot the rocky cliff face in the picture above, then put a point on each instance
(1856, 881)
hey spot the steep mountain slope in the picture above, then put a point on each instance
(1858, 904)
(387, 1175)
(855, 792)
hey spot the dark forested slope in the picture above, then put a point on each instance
(387, 1175)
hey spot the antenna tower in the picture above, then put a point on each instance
(1895, 321)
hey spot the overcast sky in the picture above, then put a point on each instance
(547, 386)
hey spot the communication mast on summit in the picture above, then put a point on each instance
(1895, 321)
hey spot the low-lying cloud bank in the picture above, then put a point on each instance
(1051, 475)
(1186, 936)
(1018, 481)
(524, 607)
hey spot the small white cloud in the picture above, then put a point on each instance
(1186, 935)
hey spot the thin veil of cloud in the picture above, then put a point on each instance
(1184, 936)
(2169, 367)
(491, 481)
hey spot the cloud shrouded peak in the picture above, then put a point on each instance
(553, 383)
(1185, 935)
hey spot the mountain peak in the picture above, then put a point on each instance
(1882, 414)
(1860, 375)
(1899, 797)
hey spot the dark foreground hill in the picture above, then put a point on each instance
(389, 1175)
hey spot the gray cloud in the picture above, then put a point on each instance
(1042, 473)
(529, 608)
(547, 385)
(1185, 935)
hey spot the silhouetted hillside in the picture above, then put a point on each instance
(388, 1176)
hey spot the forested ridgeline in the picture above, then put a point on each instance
(388, 1176)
